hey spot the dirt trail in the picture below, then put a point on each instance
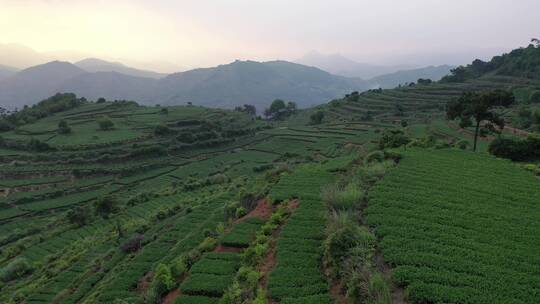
(263, 210)
(269, 262)
(171, 296)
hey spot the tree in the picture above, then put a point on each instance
(63, 127)
(393, 138)
(279, 110)
(79, 216)
(291, 108)
(101, 100)
(317, 117)
(105, 124)
(536, 42)
(105, 205)
(480, 106)
(248, 109)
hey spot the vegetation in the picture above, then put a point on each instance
(479, 106)
(441, 237)
(370, 198)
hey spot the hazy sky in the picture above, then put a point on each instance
(208, 32)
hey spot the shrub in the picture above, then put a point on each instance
(240, 211)
(162, 130)
(105, 124)
(342, 198)
(339, 245)
(375, 156)
(133, 245)
(393, 139)
(317, 117)
(106, 205)
(162, 283)
(516, 149)
(15, 269)
(63, 127)
(534, 97)
(79, 216)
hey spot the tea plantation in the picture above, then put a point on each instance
(376, 200)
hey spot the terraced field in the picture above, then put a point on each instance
(160, 207)
(460, 228)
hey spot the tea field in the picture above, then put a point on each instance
(119, 203)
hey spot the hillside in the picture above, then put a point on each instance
(113, 201)
(33, 84)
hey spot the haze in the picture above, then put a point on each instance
(205, 33)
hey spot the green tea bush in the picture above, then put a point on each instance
(15, 269)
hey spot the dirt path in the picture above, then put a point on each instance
(263, 210)
(270, 262)
(171, 296)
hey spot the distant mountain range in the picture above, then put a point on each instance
(97, 65)
(340, 65)
(6, 71)
(391, 80)
(225, 86)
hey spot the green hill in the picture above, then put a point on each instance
(114, 202)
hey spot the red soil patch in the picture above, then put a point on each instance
(336, 291)
(269, 262)
(144, 282)
(263, 210)
(221, 248)
(171, 296)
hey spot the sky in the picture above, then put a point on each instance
(209, 32)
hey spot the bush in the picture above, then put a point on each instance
(534, 97)
(105, 124)
(393, 139)
(133, 245)
(63, 127)
(106, 205)
(162, 130)
(375, 156)
(516, 149)
(162, 283)
(340, 245)
(79, 216)
(317, 117)
(342, 198)
(15, 269)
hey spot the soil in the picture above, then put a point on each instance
(263, 210)
(221, 248)
(144, 282)
(269, 262)
(171, 296)
(336, 293)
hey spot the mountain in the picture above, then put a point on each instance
(340, 65)
(392, 80)
(98, 65)
(256, 83)
(521, 62)
(226, 86)
(111, 85)
(6, 71)
(35, 83)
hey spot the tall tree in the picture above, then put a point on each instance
(480, 107)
